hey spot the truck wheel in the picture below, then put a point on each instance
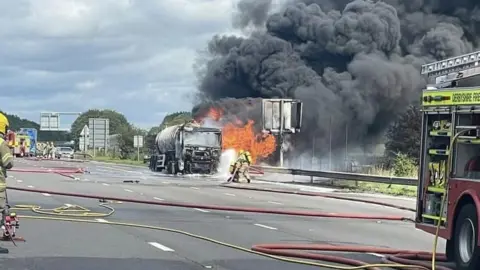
(450, 249)
(466, 251)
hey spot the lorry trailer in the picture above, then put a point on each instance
(448, 204)
(187, 148)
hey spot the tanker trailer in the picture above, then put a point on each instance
(187, 148)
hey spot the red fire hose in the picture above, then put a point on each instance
(391, 256)
(61, 170)
(221, 208)
(323, 195)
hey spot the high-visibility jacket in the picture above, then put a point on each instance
(245, 157)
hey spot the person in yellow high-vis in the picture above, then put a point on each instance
(239, 169)
(245, 162)
(6, 163)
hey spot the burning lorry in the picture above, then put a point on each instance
(187, 148)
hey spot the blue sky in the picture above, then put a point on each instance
(132, 56)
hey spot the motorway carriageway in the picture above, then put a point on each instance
(58, 244)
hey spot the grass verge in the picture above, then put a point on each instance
(395, 190)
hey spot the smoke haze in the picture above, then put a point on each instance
(352, 63)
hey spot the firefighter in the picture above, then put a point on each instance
(239, 168)
(6, 162)
(245, 160)
(53, 150)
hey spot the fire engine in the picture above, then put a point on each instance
(19, 143)
(448, 202)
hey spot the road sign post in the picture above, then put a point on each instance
(138, 143)
(280, 117)
(84, 139)
(99, 133)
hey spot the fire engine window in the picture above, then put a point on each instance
(467, 154)
(467, 163)
(207, 139)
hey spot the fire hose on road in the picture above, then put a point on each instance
(399, 259)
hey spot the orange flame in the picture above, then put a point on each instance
(241, 136)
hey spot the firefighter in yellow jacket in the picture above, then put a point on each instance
(241, 167)
(6, 162)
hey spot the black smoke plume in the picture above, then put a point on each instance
(352, 63)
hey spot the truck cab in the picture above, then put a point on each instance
(187, 148)
(448, 204)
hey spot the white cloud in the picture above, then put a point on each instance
(134, 56)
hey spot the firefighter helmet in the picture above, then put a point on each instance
(4, 124)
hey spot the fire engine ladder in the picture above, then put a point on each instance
(448, 70)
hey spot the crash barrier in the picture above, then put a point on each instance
(341, 175)
(393, 258)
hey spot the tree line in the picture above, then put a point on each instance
(125, 131)
(403, 136)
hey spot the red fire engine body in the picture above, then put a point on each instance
(449, 178)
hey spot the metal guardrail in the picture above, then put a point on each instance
(342, 175)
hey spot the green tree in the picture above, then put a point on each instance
(117, 121)
(175, 119)
(403, 136)
(125, 141)
(150, 138)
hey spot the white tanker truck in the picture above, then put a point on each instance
(187, 148)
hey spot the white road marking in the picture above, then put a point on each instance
(102, 220)
(376, 255)
(194, 188)
(105, 184)
(128, 190)
(156, 198)
(265, 226)
(20, 181)
(46, 194)
(31, 186)
(165, 182)
(274, 202)
(229, 194)
(202, 210)
(160, 246)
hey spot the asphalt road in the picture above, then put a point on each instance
(60, 245)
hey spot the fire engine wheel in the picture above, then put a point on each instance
(466, 251)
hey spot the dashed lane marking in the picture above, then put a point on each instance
(101, 220)
(274, 202)
(229, 194)
(160, 246)
(265, 226)
(201, 210)
(46, 194)
(105, 184)
(159, 199)
(195, 188)
(128, 190)
(31, 186)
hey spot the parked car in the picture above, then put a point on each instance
(64, 152)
